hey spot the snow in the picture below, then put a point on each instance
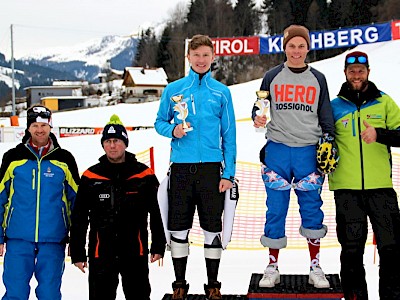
(236, 265)
(236, 269)
(143, 76)
(92, 52)
(6, 76)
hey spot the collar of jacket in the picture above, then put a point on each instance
(199, 77)
(369, 94)
(54, 142)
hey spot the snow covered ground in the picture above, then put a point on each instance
(236, 265)
(235, 272)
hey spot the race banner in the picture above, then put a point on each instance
(320, 40)
(77, 131)
(236, 46)
(339, 38)
(396, 30)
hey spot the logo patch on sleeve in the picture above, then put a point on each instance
(374, 116)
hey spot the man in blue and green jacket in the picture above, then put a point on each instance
(367, 123)
(38, 184)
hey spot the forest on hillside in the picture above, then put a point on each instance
(219, 18)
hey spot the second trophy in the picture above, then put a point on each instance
(182, 108)
(263, 105)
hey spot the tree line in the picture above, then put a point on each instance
(221, 18)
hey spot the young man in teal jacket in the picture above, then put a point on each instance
(367, 123)
(38, 185)
(196, 112)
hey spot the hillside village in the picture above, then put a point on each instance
(132, 85)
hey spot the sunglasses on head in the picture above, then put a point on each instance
(359, 59)
(42, 114)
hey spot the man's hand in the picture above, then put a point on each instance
(81, 266)
(155, 257)
(224, 185)
(369, 134)
(179, 132)
(260, 121)
(1, 249)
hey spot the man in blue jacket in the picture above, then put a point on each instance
(38, 184)
(196, 112)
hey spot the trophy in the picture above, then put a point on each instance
(182, 109)
(263, 105)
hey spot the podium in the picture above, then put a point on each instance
(202, 297)
(295, 287)
(291, 287)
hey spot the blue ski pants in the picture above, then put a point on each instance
(23, 259)
(293, 164)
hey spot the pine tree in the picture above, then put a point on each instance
(246, 19)
(385, 10)
(299, 9)
(146, 50)
(340, 13)
(279, 15)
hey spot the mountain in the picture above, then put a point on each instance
(86, 60)
(26, 74)
(80, 62)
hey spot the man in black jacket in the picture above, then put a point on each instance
(115, 197)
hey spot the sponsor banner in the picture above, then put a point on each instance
(396, 30)
(236, 46)
(76, 131)
(339, 38)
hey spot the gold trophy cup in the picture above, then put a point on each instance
(263, 106)
(182, 109)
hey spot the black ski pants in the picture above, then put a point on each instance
(104, 278)
(353, 208)
(195, 185)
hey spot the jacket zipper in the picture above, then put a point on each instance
(38, 201)
(198, 125)
(36, 178)
(360, 143)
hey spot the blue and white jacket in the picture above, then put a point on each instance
(37, 193)
(210, 113)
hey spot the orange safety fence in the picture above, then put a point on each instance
(250, 211)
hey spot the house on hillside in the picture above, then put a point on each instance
(110, 75)
(143, 84)
(34, 94)
(56, 103)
